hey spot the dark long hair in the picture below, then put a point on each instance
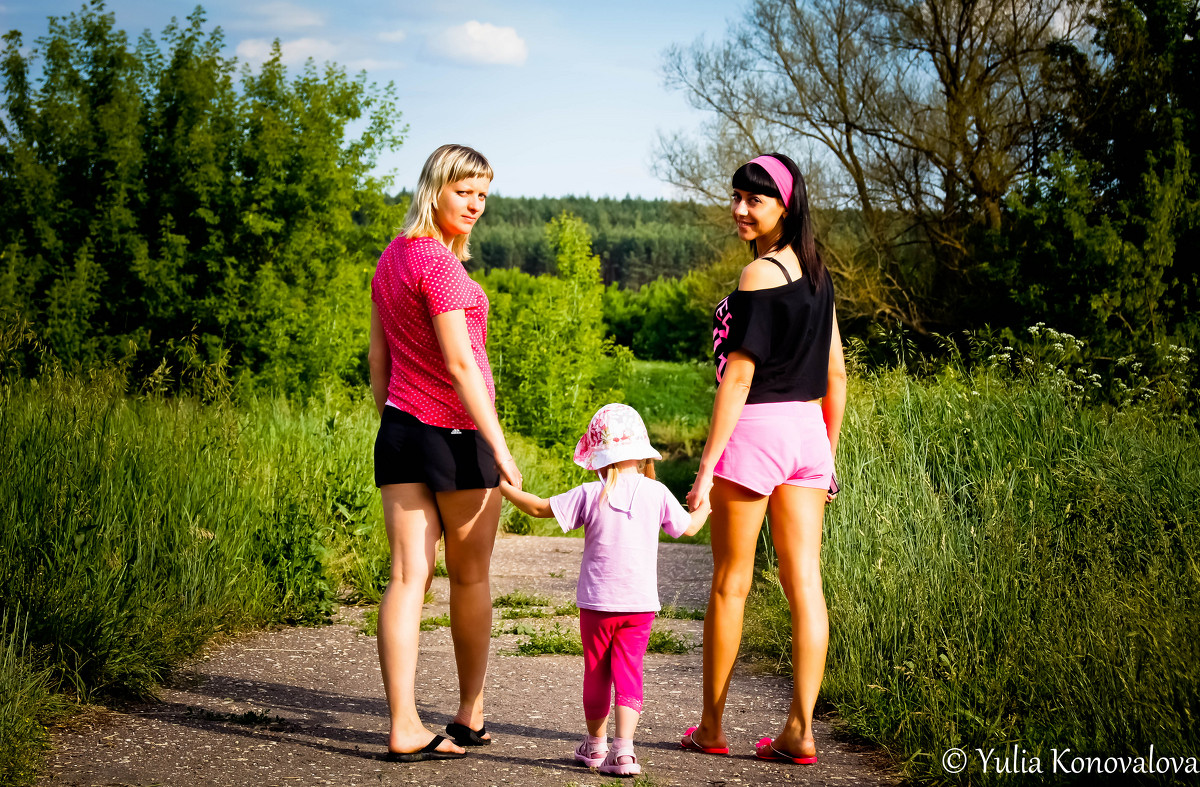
(797, 224)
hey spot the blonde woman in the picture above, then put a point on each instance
(440, 453)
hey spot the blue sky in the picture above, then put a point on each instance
(562, 97)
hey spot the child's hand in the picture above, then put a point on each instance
(699, 517)
(698, 497)
(529, 503)
(510, 473)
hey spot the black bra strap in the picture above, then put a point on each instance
(780, 264)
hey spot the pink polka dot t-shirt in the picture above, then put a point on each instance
(418, 278)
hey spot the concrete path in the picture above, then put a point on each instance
(300, 706)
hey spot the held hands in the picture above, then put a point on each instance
(509, 472)
(529, 503)
(699, 517)
(697, 499)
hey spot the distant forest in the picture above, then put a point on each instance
(637, 240)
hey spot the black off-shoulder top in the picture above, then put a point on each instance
(787, 330)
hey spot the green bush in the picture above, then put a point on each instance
(153, 192)
(548, 343)
(664, 320)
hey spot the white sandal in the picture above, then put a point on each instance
(614, 767)
(591, 754)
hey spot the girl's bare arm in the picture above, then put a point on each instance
(699, 517)
(529, 503)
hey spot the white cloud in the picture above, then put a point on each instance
(393, 37)
(280, 15)
(257, 50)
(373, 64)
(481, 43)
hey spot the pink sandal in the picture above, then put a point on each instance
(689, 743)
(614, 767)
(765, 750)
(591, 754)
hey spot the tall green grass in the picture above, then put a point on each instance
(25, 702)
(675, 401)
(134, 528)
(1007, 567)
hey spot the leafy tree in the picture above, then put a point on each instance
(919, 116)
(1104, 273)
(152, 196)
(552, 364)
(1100, 243)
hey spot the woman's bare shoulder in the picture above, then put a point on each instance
(761, 274)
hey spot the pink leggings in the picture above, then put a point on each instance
(613, 646)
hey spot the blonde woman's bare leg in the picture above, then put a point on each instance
(796, 515)
(411, 516)
(470, 518)
(736, 519)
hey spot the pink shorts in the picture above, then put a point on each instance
(778, 443)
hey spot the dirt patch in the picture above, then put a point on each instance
(305, 706)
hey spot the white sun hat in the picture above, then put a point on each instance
(615, 434)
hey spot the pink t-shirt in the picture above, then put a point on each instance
(415, 280)
(619, 572)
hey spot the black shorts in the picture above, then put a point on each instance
(410, 452)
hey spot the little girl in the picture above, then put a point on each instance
(618, 579)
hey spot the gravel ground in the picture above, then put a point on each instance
(320, 718)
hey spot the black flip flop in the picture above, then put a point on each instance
(465, 736)
(430, 752)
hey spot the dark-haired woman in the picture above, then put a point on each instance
(771, 445)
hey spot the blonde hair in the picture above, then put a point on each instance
(610, 473)
(447, 164)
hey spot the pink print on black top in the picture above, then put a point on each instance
(721, 318)
(786, 331)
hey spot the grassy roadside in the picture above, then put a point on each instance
(1006, 567)
(138, 527)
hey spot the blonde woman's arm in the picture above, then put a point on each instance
(455, 342)
(379, 360)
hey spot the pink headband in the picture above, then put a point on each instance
(779, 173)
